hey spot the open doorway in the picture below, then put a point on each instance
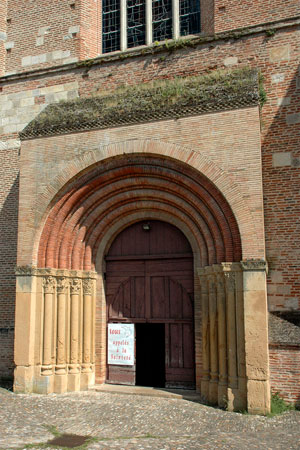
(150, 354)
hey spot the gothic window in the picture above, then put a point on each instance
(130, 23)
(110, 25)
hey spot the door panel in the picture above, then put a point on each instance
(155, 290)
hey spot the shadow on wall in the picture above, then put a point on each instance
(281, 190)
(8, 260)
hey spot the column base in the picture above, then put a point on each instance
(74, 382)
(213, 392)
(258, 397)
(204, 390)
(60, 383)
(87, 380)
(222, 395)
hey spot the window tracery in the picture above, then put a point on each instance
(131, 23)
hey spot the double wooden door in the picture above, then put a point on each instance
(155, 292)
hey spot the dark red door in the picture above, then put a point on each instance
(149, 279)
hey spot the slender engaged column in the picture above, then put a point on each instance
(222, 339)
(60, 367)
(205, 335)
(49, 287)
(87, 324)
(231, 329)
(75, 291)
(213, 339)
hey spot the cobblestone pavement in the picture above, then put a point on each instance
(137, 422)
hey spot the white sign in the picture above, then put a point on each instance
(121, 344)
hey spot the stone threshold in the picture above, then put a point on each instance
(185, 394)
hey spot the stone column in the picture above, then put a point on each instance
(60, 382)
(205, 335)
(86, 366)
(213, 338)
(231, 335)
(256, 336)
(49, 289)
(75, 291)
(222, 336)
(74, 367)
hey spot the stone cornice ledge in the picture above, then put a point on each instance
(43, 272)
(170, 45)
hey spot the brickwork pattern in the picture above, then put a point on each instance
(231, 14)
(285, 371)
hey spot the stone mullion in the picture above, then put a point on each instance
(49, 289)
(175, 19)
(222, 336)
(87, 324)
(75, 288)
(205, 335)
(149, 32)
(213, 337)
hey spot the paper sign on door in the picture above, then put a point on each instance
(121, 344)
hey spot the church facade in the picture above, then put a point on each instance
(150, 186)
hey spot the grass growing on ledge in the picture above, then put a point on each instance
(218, 90)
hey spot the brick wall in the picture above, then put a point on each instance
(230, 14)
(285, 371)
(9, 191)
(42, 33)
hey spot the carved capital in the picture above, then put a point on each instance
(255, 265)
(230, 280)
(211, 283)
(25, 271)
(62, 285)
(49, 284)
(220, 282)
(87, 285)
(75, 286)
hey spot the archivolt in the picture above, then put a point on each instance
(120, 186)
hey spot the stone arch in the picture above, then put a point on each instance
(221, 180)
(93, 202)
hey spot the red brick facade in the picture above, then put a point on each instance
(39, 57)
(285, 371)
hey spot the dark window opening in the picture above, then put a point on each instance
(189, 17)
(136, 23)
(110, 26)
(162, 20)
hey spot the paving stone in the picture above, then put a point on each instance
(139, 422)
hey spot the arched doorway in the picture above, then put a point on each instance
(149, 283)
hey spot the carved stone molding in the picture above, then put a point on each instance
(25, 271)
(87, 285)
(75, 285)
(62, 285)
(49, 284)
(254, 264)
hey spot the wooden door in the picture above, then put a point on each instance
(149, 279)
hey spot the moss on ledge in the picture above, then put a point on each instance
(161, 99)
